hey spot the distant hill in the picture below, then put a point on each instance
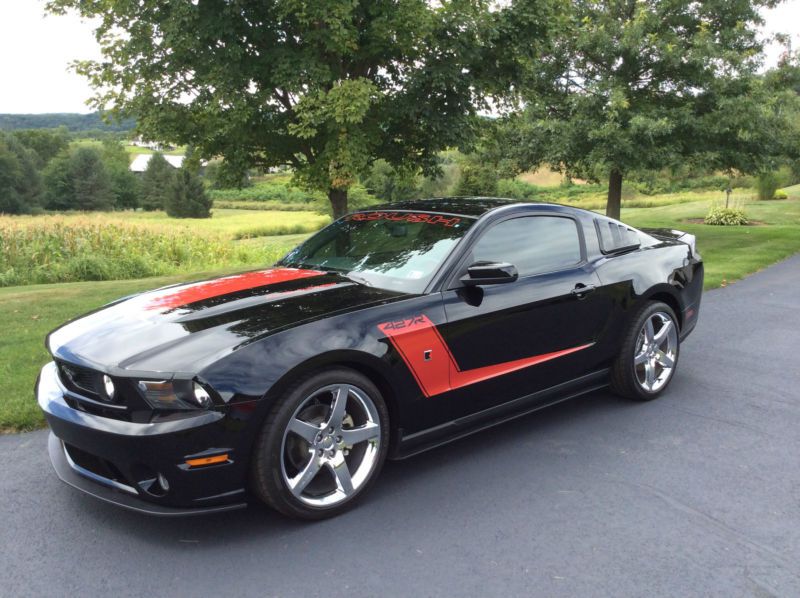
(75, 123)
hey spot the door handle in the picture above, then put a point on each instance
(581, 290)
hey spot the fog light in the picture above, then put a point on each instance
(162, 481)
(108, 387)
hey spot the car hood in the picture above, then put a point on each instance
(184, 327)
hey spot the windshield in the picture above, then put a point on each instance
(399, 251)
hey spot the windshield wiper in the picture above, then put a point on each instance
(358, 279)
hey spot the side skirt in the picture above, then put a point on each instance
(419, 442)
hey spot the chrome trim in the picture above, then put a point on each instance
(96, 477)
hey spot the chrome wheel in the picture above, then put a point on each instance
(331, 445)
(656, 352)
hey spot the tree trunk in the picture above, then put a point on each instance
(338, 199)
(614, 194)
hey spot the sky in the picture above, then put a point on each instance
(35, 51)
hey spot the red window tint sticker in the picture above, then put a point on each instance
(405, 217)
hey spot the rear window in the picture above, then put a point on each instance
(615, 236)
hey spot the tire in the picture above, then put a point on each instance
(316, 455)
(649, 353)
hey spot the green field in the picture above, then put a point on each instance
(29, 312)
(77, 247)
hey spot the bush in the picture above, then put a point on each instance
(477, 180)
(721, 216)
(767, 183)
(780, 194)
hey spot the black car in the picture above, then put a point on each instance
(389, 332)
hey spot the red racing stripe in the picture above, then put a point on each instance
(199, 291)
(418, 336)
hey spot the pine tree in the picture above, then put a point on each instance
(156, 182)
(187, 197)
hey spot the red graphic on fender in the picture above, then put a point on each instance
(435, 369)
(405, 217)
(229, 284)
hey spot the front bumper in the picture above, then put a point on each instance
(117, 461)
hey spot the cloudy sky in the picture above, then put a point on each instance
(35, 51)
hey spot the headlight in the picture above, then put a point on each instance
(175, 394)
(108, 387)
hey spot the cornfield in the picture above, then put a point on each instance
(49, 249)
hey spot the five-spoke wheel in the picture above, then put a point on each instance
(321, 445)
(649, 353)
(331, 445)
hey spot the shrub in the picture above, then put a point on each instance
(767, 183)
(721, 216)
(780, 194)
(477, 179)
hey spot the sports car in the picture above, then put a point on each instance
(391, 331)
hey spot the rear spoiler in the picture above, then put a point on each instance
(669, 234)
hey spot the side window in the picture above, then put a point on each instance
(534, 244)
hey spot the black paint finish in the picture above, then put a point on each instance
(248, 345)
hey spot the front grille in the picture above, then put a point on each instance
(81, 380)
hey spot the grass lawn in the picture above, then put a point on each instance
(731, 252)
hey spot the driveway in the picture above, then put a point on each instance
(697, 493)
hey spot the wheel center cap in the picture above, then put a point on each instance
(327, 442)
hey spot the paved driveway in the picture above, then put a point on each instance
(697, 493)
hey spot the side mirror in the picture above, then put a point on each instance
(481, 273)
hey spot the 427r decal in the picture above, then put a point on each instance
(433, 366)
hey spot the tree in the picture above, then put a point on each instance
(124, 183)
(78, 180)
(20, 184)
(156, 182)
(645, 84)
(47, 143)
(477, 179)
(187, 197)
(323, 86)
(390, 184)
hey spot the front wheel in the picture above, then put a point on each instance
(322, 445)
(649, 354)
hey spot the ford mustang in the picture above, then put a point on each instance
(391, 331)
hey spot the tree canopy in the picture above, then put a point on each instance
(78, 180)
(324, 86)
(646, 84)
(20, 183)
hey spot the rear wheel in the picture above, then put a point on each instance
(649, 354)
(322, 445)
